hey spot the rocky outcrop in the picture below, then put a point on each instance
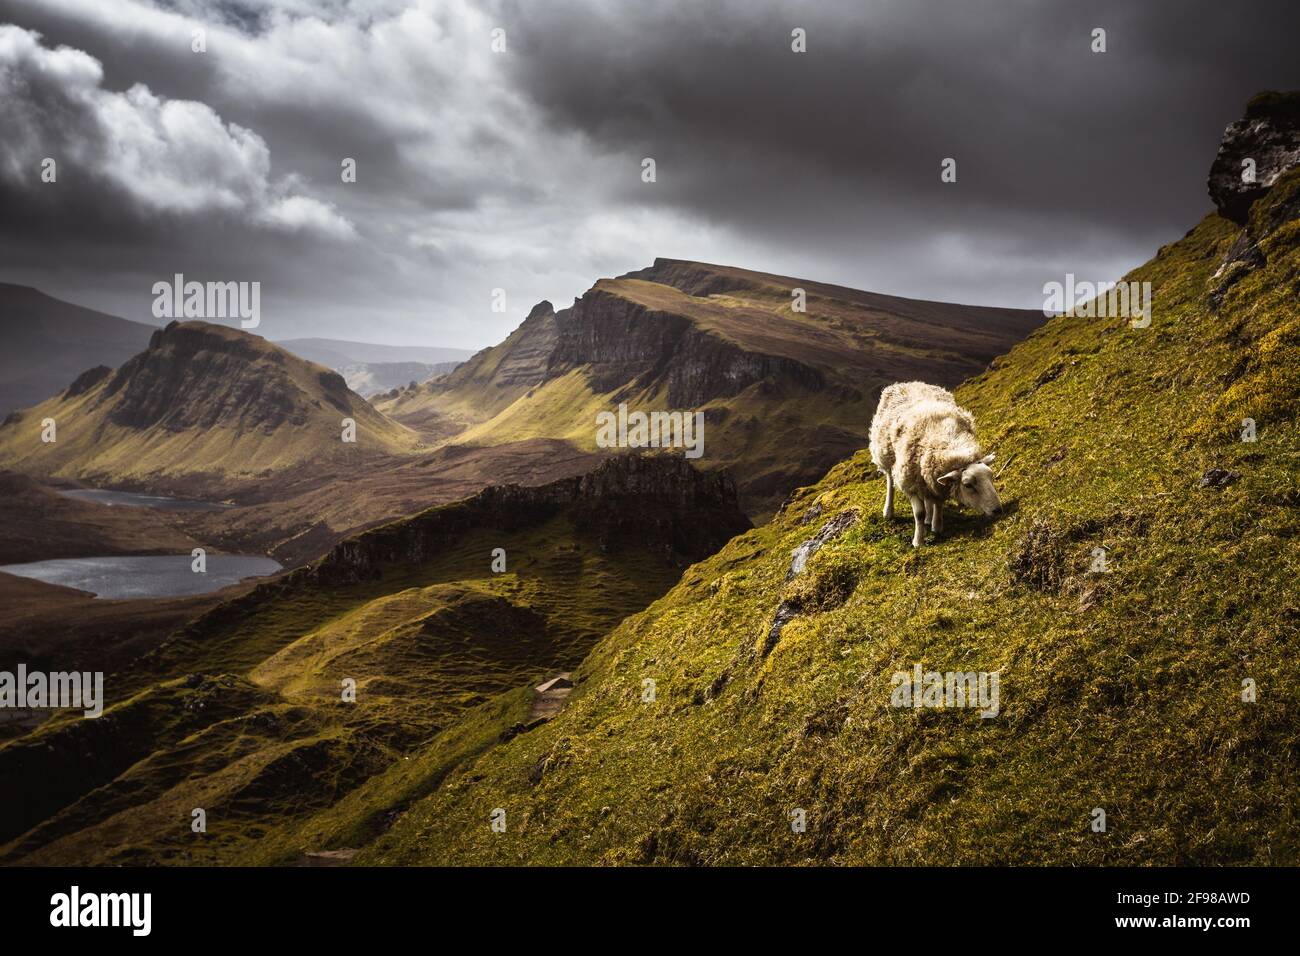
(87, 380)
(197, 375)
(623, 343)
(829, 532)
(660, 503)
(520, 361)
(1267, 136)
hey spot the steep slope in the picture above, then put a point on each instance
(413, 612)
(1154, 678)
(203, 407)
(46, 343)
(724, 341)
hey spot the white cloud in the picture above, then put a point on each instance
(302, 213)
(169, 156)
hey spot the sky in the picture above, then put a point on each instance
(499, 145)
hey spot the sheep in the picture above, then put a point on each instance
(924, 442)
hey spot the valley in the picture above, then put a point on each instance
(411, 612)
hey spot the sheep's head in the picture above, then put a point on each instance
(974, 486)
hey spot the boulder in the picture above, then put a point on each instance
(1269, 134)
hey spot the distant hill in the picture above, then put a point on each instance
(785, 394)
(46, 343)
(338, 353)
(374, 378)
(203, 409)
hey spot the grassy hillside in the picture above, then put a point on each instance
(1120, 689)
(241, 712)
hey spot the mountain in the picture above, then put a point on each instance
(371, 369)
(47, 343)
(204, 409)
(722, 341)
(1136, 596)
(240, 711)
(338, 353)
(374, 378)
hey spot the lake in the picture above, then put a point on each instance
(146, 576)
(131, 500)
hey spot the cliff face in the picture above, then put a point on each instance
(520, 361)
(1269, 135)
(196, 375)
(627, 344)
(660, 504)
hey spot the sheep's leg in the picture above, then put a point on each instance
(936, 523)
(918, 515)
(889, 496)
(929, 513)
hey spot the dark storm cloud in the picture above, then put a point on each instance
(845, 141)
(522, 171)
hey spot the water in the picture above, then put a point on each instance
(146, 576)
(131, 500)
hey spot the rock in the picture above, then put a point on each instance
(659, 503)
(329, 857)
(812, 514)
(786, 612)
(87, 380)
(1269, 134)
(1218, 478)
(829, 532)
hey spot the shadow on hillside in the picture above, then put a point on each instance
(968, 524)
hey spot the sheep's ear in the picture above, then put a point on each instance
(988, 459)
(951, 476)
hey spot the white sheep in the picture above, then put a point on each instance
(924, 442)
